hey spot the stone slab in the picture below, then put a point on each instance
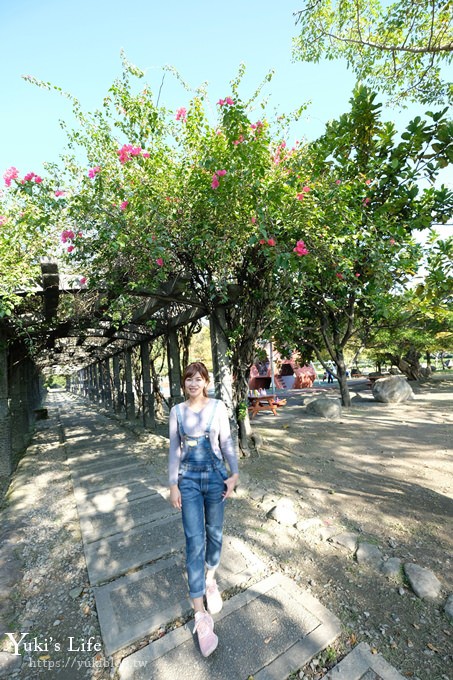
(361, 664)
(115, 555)
(118, 493)
(107, 479)
(108, 465)
(124, 516)
(268, 631)
(137, 604)
(99, 464)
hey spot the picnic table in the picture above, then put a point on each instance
(265, 402)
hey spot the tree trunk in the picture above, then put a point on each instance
(342, 380)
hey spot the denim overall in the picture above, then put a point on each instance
(201, 483)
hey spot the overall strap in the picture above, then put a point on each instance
(208, 427)
(178, 416)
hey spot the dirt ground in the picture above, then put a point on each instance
(384, 472)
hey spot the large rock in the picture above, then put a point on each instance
(324, 407)
(423, 582)
(284, 512)
(449, 607)
(393, 389)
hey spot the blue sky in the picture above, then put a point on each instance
(76, 45)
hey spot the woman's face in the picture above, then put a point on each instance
(195, 385)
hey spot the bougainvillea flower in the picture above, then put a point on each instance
(262, 241)
(58, 193)
(70, 249)
(160, 262)
(10, 174)
(300, 248)
(215, 182)
(83, 280)
(38, 179)
(181, 113)
(92, 172)
(124, 205)
(253, 220)
(300, 197)
(229, 101)
(3, 220)
(221, 102)
(339, 275)
(67, 235)
(220, 173)
(271, 242)
(338, 181)
(366, 200)
(392, 241)
(28, 177)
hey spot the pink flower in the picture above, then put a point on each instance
(366, 201)
(160, 262)
(339, 275)
(357, 274)
(10, 174)
(368, 182)
(92, 172)
(67, 235)
(59, 193)
(181, 114)
(253, 220)
(70, 249)
(38, 179)
(271, 242)
(3, 220)
(28, 177)
(83, 280)
(124, 205)
(392, 241)
(262, 241)
(300, 197)
(338, 181)
(228, 101)
(220, 173)
(145, 154)
(215, 182)
(300, 248)
(305, 189)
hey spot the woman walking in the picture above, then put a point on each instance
(200, 440)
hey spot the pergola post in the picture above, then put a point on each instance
(147, 392)
(107, 383)
(174, 371)
(118, 400)
(5, 418)
(130, 404)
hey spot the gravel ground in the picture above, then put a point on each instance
(382, 473)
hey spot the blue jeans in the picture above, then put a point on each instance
(202, 517)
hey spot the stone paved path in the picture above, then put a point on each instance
(133, 541)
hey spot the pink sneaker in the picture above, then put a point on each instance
(207, 639)
(213, 598)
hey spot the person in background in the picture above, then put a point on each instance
(200, 442)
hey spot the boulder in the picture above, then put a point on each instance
(324, 407)
(391, 568)
(449, 607)
(423, 582)
(393, 389)
(367, 553)
(284, 512)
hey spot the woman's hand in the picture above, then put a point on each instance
(230, 484)
(175, 496)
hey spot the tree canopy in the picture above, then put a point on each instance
(397, 48)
